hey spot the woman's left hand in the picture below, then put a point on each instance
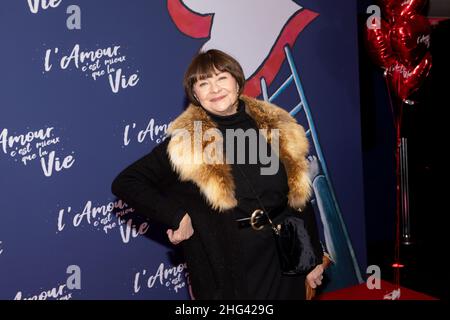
(314, 278)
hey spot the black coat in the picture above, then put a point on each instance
(159, 187)
(151, 187)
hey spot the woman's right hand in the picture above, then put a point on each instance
(184, 231)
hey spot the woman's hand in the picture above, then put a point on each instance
(314, 278)
(184, 231)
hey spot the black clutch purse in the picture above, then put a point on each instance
(294, 244)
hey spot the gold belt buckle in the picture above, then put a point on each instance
(253, 219)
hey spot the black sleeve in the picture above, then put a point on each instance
(311, 224)
(142, 183)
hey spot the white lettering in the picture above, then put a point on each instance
(44, 4)
(174, 277)
(50, 162)
(130, 229)
(101, 217)
(121, 82)
(76, 56)
(22, 139)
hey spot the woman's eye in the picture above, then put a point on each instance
(202, 84)
(222, 78)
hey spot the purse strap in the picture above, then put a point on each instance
(275, 228)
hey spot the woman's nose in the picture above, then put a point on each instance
(215, 87)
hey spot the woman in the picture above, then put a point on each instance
(207, 199)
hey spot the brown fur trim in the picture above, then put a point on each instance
(215, 180)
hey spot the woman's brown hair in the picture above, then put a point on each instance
(204, 64)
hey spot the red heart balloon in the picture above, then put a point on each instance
(393, 9)
(409, 7)
(405, 80)
(378, 43)
(410, 38)
(388, 8)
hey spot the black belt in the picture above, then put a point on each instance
(258, 219)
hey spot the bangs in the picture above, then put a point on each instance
(204, 70)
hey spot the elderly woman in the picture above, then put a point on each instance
(205, 187)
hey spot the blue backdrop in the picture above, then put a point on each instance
(87, 87)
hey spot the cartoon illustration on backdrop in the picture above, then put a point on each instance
(261, 59)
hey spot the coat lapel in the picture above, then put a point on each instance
(215, 180)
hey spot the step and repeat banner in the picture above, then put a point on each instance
(88, 87)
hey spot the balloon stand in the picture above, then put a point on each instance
(404, 192)
(399, 42)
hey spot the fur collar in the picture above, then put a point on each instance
(215, 181)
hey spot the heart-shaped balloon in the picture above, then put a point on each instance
(410, 7)
(388, 9)
(378, 43)
(410, 38)
(405, 80)
(393, 9)
(401, 45)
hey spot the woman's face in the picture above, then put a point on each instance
(218, 94)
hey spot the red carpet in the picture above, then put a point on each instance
(361, 292)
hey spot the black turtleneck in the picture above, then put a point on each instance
(271, 189)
